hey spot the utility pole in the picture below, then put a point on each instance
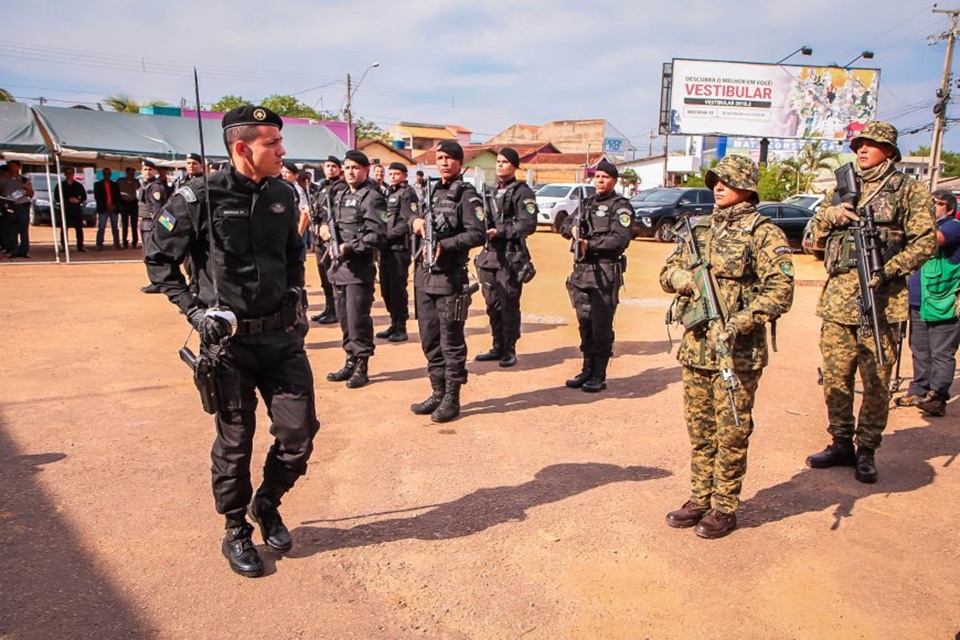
(943, 97)
(349, 117)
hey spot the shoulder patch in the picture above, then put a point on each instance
(167, 220)
(413, 206)
(478, 211)
(187, 194)
(782, 250)
(786, 268)
(157, 195)
(277, 207)
(624, 219)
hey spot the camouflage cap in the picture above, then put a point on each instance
(882, 132)
(738, 172)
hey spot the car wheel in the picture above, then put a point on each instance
(558, 220)
(664, 230)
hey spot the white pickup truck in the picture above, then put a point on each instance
(558, 200)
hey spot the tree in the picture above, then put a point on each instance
(949, 159)
(6, 96)
(292, 108)
(813, 159)
(228, 102)
(125, 104)
(629, 177)
(367, 130)
(774, 182)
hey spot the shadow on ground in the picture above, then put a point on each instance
(472, 513)
(50, 587)
(903, 464)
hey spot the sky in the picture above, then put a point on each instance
(483, 65)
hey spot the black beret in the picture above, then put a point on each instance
(452, 148)
(397, 166)
(194, 156)
(291, 167)
(511, 155)
(334, 159)
(608, 168)
(150, 163)
(250, 115)
(357, 156)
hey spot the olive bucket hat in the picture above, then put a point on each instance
(882, 132)
(738, 172)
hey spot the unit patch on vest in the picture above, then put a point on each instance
(187, 194)
(277, 207)
(349, 202)
(392, 199)
(167, 220)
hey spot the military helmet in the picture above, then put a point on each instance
(738, 172)
(882, 132)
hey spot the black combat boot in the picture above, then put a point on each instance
(239, 551)
(598, 377)
(509, 357)
(450, 405)
(866, 470)
(489, 356)
(585, 372)
(274, 533)
(345, 372)
(838, 454)
(429, 405)
(389, 331)
(359, 377)
(399, 332)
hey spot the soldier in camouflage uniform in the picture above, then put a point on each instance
(750, 261)
(903, 212)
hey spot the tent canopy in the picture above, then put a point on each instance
(85, 135)
(19, 130)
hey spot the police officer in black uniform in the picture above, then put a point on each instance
(500, 264)
(441, 296)
(395, 257)
(151, 197)
(359, 213)
(250, 274)
(331, 184)
(602, 229)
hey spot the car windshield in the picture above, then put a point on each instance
(553, 191)
(802, 201)
(662, 195)
(643, 195)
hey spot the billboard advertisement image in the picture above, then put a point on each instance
(773, 101)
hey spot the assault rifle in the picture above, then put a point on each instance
(582, 226)
(868, 259)
(704, 310)
(430, 232)
(490, 210)
(333, 244)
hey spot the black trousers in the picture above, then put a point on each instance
(353, 303)
(441, 336)
(394, 273)
(128, 220)
(933, 346)
(8, 231)
(325, 281)
(501, 291)
(595, 309)
(75, 222)
(22, 213)
(276, 365)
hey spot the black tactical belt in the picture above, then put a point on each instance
(259, 325)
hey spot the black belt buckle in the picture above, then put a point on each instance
(254, 325)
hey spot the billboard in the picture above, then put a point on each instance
(767, 100)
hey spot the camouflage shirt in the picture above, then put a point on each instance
(903, 212)
(750, 259)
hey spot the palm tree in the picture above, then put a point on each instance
(126, 104)
(812, 160)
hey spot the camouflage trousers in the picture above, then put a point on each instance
(718, 448)
(847, 350)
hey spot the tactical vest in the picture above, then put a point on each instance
(349, 211)
(504, 198)
(840, 254)
(445, 214)
(394, 200)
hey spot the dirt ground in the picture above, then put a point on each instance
(538, 514)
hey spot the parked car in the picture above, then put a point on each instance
(657, 211)
(558, 200)
(792, 219)
(806, 200)
(807, 242)
(40, 209)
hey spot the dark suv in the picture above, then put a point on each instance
(657, 211)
